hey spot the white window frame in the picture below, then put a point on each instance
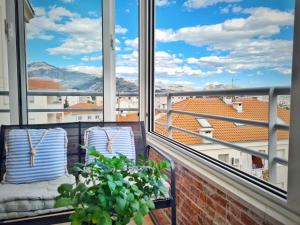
(287, 206)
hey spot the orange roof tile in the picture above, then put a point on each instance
(129, 117)
(253, 109)
(40, 84)
(86, 106)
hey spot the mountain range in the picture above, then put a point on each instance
(74, 80)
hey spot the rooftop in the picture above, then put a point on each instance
(253, 109)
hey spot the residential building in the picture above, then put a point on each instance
(247, 136)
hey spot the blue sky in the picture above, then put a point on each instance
(198, 42)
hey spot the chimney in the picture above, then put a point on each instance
(227, 100)
(238, 106)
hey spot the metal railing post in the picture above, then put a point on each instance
(169, 115)
(272, 145)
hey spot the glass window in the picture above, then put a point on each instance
(127, 40)
(218, 46)
(64, 54)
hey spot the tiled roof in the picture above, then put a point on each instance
(86, 106)
(253, 109)
(129, 117)
(40, 84)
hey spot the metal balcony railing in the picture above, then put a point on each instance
(271, 124)
(74, 93)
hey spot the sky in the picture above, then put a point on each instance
(197, 42)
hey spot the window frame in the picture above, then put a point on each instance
(18, 65)
(289, 199)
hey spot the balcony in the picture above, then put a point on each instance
(215, 85)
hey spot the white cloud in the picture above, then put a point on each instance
(57, 13)
(251, 55)
(164, 2)
(196, 4)
(167, 83)
(167, 64)
(120, 30)
(127, 10)
(91, 58)
(133, 43)
(262, 22)
(165, 35)
(86, 69)
(236, 9)
(83, 35)
(246, 41)
(231, 8)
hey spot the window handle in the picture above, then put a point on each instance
(113, 42)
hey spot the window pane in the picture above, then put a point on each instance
(64, 54)
(215, 46)
(127, 59)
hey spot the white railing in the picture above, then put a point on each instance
(78, 93)
(271, 124)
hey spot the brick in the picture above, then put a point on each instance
(232, 220)
(233, 209)
(247, 220)
(203, 202)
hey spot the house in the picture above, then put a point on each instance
(44, 102)
(249, 136)
(83, 112)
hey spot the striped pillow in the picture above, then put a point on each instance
(122, 141)
(49, 162)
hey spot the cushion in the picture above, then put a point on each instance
(122, 141)
(49, 161)
(22, 200)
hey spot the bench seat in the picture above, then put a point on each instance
(31, 199)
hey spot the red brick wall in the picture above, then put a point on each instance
(201, 201)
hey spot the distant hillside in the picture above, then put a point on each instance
(72, 80)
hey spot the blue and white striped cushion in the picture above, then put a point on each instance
(50, 158)
(122, 141)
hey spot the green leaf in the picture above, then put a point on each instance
(93, 152)
(144, 209)
(164, 164)
(151, 204)
(130, 197)
(62, 202)
(111, 185)
(164, 176)
(65, 188)
(121, 203)
(75, 222)
(135, 205)
(105, 219)
(102, 200)
(138, 218)
(118, 183)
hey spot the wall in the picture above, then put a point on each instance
(245, 160)
(201, 201)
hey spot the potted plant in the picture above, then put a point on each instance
(113, 190)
